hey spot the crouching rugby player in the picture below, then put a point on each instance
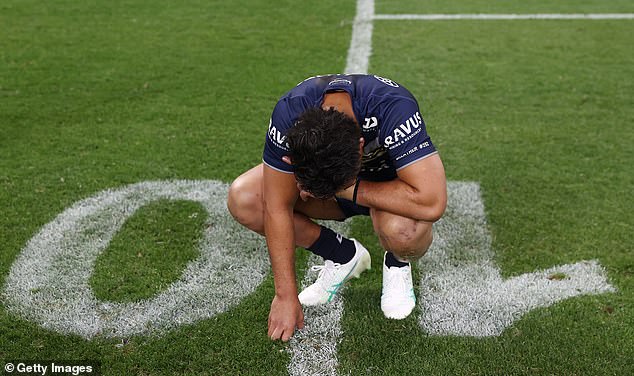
(339, 146)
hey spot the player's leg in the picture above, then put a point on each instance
(404, 240)
(335, 273)
(407, 239)
(344, 258)
(245, 204)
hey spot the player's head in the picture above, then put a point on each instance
(325, 151)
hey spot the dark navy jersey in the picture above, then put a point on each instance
(388, 114)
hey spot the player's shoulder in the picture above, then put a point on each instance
(288, 108)
(378, 85)
(386, 97)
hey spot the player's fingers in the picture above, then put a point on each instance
(275, 329)
(277, 333)
(287, 334)
(300, 322)
(287, 159)
(270, 326)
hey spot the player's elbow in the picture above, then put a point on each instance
(433, 209)
(437, 210)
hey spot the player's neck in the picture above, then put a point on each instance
(340, 101)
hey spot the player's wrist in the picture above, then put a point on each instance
(286, 298)
(348, 192)
(355, 191)
(286, 293)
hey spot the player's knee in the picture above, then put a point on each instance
(406, 238)
(245, 204)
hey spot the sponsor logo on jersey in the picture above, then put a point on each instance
(386, 81)
(370, 123)
(409, 152)
(340, 81)
(277, 137)
(401, 133)
(311, 77)
(413, 150)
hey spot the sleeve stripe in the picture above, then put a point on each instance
(418, 159)
(276, 168)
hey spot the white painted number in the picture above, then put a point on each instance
(462, 292)
(48, 283)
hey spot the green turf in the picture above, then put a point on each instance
(96, 95)
(101, 94)
(149, 252)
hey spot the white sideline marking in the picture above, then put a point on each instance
(461, 290)
(483, 16)
(49, 281)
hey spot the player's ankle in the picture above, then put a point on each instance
(391, 260)
(333, 246)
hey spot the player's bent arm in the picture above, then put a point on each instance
(279, 195)
(420, 192)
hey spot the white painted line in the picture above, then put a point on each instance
(461, 290)
(483, 16)
(361, 40)
(314, 348)
(49, 281)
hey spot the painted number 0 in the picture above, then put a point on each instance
(48, 283)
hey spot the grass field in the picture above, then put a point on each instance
(97, 95)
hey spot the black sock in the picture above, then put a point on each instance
(391, 261)
(332, 246)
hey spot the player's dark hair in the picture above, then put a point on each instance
(324, 147)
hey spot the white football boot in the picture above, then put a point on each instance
(333, 275)
(397, 299)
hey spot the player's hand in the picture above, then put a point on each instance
(285, 316)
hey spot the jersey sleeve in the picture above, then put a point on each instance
(404, 134)
(275, 145)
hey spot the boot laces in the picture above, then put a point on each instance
(326, 272)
